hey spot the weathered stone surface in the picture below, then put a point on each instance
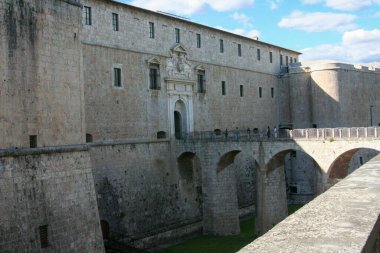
(343, 219)
(56, 190)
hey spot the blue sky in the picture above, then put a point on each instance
(342, 30)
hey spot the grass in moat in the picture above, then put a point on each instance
(221, 244)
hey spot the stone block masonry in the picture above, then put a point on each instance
(343, 219)
(47, 203)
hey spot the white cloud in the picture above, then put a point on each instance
(318, 21)
(344, 5)
(247, 33)
(359, 46)
(242, 18)
(274, 4)
(190, 7)
(348, 5)
(311, 1)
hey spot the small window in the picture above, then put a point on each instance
(201, 81)
(199, 40)
(177, 36)
(258, 54)
(287, 61)
(221, 44)
(314, 125)
(270, 57)
(293, 189)
(87, 15)
(361, 160)
(281, 59)
(272, 92)
(295, 60)
(151, 30)
(117, 77)
(241, 90)
(223, 88)
(260, 92)
(88, 138)
(291, 59)
(44, 239)
(161, 135)
(239, 49)
(33, 141)
(154, 77)
(115, 21)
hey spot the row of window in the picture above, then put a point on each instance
(154, 81)
(177, 31)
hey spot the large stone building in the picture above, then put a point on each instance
(129, 81)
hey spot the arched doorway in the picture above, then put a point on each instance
(180, 119)
(177, 124)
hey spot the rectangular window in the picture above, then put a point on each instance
(258, 54)
(281, 59)
(223, 88)
(241, 90)
(115, 21)
(87, 15)
(151, 30)
(286, 60)
(44, 239)
(260, 92)
(291, 59)
(239, 50)
(154, 77)
(177, 36)
(270, 57)
(295, 60)
(117, 77)
(32, 141)
(221, 46)
(198, 40)
(201, 82)
(272, 92)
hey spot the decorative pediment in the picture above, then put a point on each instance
(179, 49)
(199, 67)
(154, 60)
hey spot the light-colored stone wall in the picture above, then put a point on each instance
(42, 88)
(56, 190)
(137, 111)
(334, 95)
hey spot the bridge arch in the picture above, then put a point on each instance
(226, 160)
(190, 184)
(345, 163)
(275, 180)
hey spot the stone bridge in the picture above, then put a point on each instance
(331, 150)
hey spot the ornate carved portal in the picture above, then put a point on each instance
(180, 85)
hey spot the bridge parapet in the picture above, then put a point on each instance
(345, 133)
(343, 219)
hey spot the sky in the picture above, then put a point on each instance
(340, 30)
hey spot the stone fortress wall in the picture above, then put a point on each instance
(58, 87)
(47, 195)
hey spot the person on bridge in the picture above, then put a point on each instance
(268, 132)
(226, 133)
(275, 131)
(237, 133)
(249, 133)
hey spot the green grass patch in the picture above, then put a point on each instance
(217, 244)
(221, 244)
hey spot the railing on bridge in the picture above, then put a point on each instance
(329, 134)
